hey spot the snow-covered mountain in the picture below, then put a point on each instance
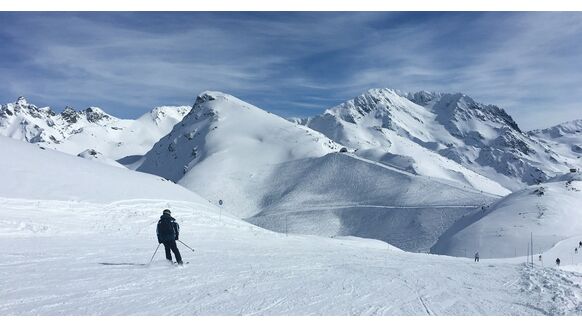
(437, 134)
(550, 211)
(227, 149)
(564, 131)
(287, 177)
(74, 131)
(564, 139)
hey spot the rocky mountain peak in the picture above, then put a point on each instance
(205, 97)
(22, 101)
(95, 114)
(70, 115)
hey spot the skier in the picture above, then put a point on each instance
(476, 256)
(168, 232)
(558, 261)
(580, 244)
(576, 250)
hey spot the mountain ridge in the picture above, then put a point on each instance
(482, 138)
(75, 131)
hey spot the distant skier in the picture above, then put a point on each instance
(580, 244)
(576, 250)
(168, 232)
(476, 256)
(558, 261)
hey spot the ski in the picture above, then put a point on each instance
(124, 263)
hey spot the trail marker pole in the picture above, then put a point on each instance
(532, 248)
(220, 202)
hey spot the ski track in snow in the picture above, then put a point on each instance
(335, 207)
(240, 269)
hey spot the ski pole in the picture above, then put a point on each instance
(186, 245)
(154, 254)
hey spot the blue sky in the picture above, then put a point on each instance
(293, 64)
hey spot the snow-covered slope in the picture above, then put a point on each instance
(226, 149)
(287, 177)
(552, 212)
(92, 154)
(30, 172)
(76, 131)
(474, 141)
(342, 194)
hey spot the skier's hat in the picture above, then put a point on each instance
(167, 211)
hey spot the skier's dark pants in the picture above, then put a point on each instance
(171, 245)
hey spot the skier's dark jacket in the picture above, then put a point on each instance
(168, 229)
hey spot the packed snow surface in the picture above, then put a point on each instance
(54, 249)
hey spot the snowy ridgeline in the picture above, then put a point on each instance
(438, 135)
(450, 136)
(74, 132)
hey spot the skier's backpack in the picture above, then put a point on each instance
(167, 230)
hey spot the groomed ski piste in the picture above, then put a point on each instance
(63, 216)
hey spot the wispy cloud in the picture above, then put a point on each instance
(293, 64)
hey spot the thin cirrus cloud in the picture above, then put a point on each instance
(293, 64)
